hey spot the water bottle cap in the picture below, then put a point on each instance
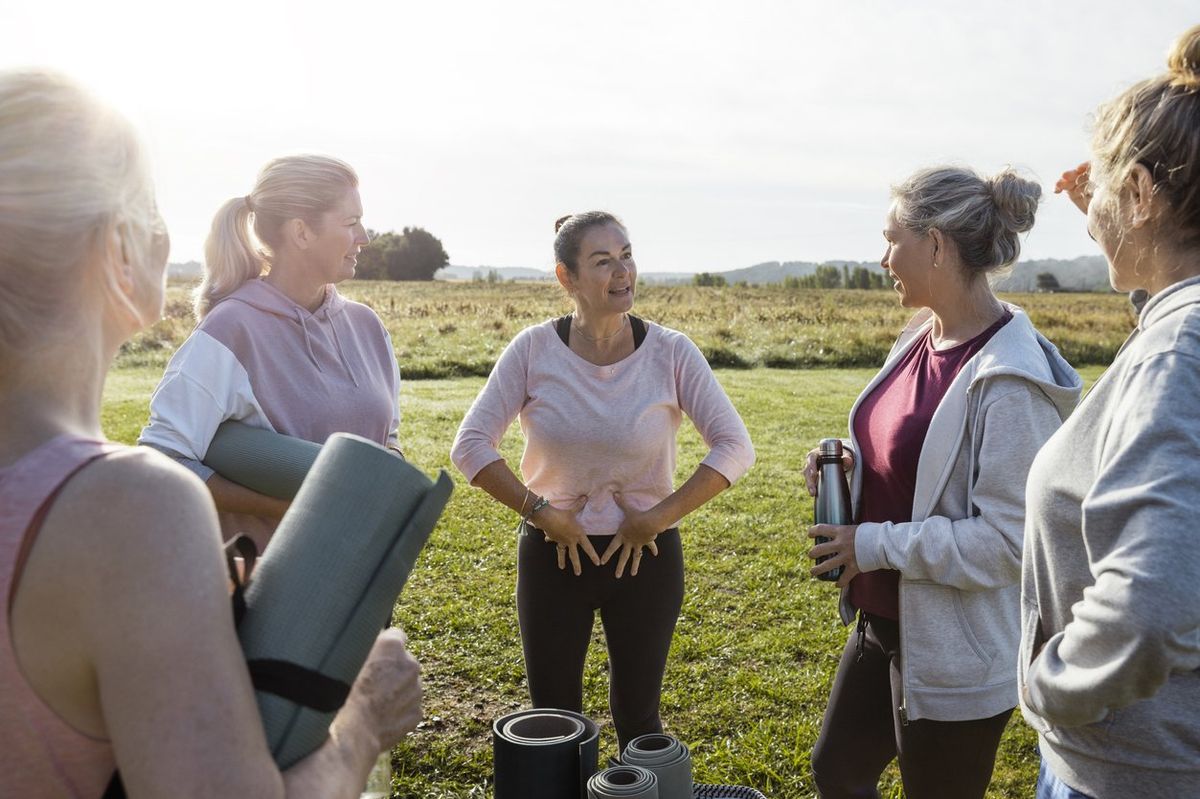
(831, 446)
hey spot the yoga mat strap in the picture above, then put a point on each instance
(295, 683)
(244, 546)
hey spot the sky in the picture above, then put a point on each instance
(724, 134)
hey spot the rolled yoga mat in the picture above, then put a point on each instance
(333, 571)
(668, 758)
(262, 460)
(726, 792)
(544, 754)
(625, 782)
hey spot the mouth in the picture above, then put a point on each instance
(622, 292)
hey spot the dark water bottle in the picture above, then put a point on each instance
(833, 496)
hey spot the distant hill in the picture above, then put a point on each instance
(1086, 273)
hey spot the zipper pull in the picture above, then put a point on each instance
(903, 715)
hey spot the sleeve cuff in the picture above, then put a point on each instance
(868, 547)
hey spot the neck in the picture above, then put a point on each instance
(968, 313)
(57, 392)
(1165, 266)
(291, 279)
(599, 327)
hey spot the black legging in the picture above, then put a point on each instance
(556, 610)
(862, 732)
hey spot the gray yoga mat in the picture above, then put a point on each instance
(329, 578)
(625, 782)
(668, 758)
(544, 754)
(726, 792)
(262, 460)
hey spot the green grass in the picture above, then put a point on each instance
(444, 329)
(758, 640)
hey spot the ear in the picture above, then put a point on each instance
(939, 247)
(299, 233)
(117, 261)
(1139, 191)
(564, 277)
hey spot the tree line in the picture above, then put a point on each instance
(823, 277)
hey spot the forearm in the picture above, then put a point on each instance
(339, 768)
(704, 484)
(504, 486)
(230, 497)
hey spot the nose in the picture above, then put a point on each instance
(883, 262)
(363, 238)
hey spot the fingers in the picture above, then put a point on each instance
(822, 531)
(608, 553)
(562, 555)
(637, 559)
(810, 472)
(578, 504)
(589, 550)
(620, 500)
(573, 552)
(653, 547)
(623, 560)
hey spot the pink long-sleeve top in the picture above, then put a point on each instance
(594, 430)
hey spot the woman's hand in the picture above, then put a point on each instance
(811, 469)
(386, 696)
(561, 525)
(638, 529)
(1076, 183)
(840, 546)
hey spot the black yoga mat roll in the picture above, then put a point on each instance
(261, 460)
(331, 575)
(544, 754)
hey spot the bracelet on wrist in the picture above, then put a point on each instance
(538, 504)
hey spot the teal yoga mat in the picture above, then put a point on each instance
(331, 575)
(262, 460)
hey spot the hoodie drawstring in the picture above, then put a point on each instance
(308, 341)
(337, 342)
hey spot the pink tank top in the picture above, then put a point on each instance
(40, 754)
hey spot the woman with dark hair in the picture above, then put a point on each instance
(1110, 609)
(600, 394)
(940, 443)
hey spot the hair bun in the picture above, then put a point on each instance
(1016, 200)
(1183, 62)
(562, 220)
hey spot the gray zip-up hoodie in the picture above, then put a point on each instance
(960, 557)
(1111, 577)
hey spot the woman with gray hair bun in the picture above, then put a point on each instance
(940, 442)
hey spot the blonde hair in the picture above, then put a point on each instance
(72, 171)
(984, 217)
(293, 187)
(1156, 123)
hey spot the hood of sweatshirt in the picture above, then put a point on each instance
(323, 322)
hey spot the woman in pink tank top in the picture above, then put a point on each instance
(117, 648)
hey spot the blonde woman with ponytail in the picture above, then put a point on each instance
(276, 345)
(117, 647)
(1110, 652)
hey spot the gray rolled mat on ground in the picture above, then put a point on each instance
(262, 460)
(668, 758)
(624, 782)
(329, 578)
(544, 754)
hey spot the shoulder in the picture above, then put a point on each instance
(137, 483)
(678, 346)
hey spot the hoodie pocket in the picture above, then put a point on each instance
(941, 648)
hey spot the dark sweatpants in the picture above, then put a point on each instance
(557, 610)
(863, 731)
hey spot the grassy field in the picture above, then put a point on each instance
(758, 640)
(458, 329)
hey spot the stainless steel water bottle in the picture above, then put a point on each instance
(833, 496)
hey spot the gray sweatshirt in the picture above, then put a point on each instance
(1111, 570)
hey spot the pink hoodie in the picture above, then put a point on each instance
(260, 358)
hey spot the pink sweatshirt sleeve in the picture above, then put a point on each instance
(497, 405)
(701, 397)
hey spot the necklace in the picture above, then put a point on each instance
(579, 330)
